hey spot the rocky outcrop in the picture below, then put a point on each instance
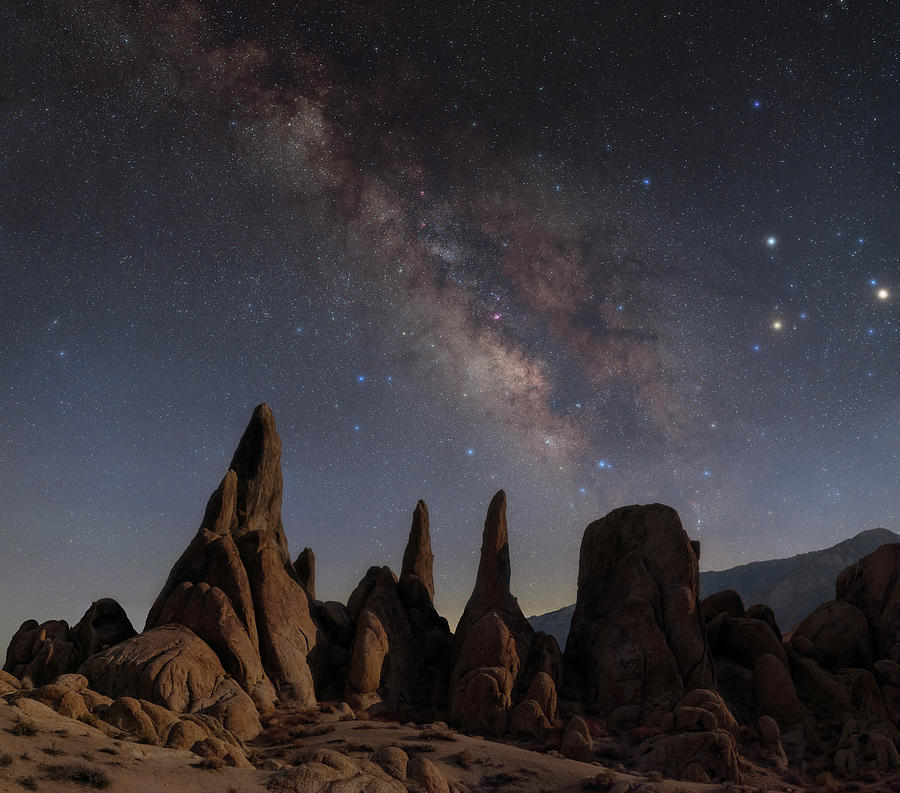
(235, 587)
(399, 656)
(305, 567)
(494, 641)
(637, 641)
(37, 654)
(170, 666)
(698, 743)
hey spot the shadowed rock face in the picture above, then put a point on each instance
(494, 641)
(637, 639)
(305, 567)
(418, 559)
(241, 553)
(399, 656)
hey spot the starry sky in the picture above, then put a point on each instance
(592, 253)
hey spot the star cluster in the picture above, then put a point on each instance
(592, 255)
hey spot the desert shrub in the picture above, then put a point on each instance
(602, 782)
(24, 727)
(211, 764)
(827, 782)
(438, 731)
(654, 776)
(77, 772)
(28, 782)
(53, 750)
(108, 750)
(5, 759)
(500, 780)
(308, 731)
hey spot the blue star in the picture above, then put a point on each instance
(356, 427)
(757, 103)
(873, 282)
(755, 348)
(582, 490)
(360, 378)
(470, 452)
(707, 474)
(646, 181)
(604, 465)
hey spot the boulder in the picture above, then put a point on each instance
(576, 742)
(776, 695)
(710, 756)
(838, 634)
(770, 741)
(393, 760)
(637, 639)
(873, 586)
(39, 653)
(172, 667)
(422, 771)
(104, 624)
(727, 601)
(528, 719)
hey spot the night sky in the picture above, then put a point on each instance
(595, 254)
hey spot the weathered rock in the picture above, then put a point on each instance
(208, 612)
(760, 611)
(127, 714)
(393, 760)
(727, 601)
(694, 756)
(418, 559)
(770, 741)
(542, 690)
(493, 638)
(305, 567)
(426, 773)
(328, 771)
(104, 624)
(172, 667)
(839, 634)
(241, 553)
(63, 699)
(637, 638)
(528, 719)
(9, 683)
(577, 743)
(776, 695)
(39, 653)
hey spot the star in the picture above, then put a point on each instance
(777, 325)
(771, 242)
(883, 294)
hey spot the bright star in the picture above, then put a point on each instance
(604, 464)
(470, 452)
(777, 325)
(771, 242)
(646, 181)
(883, 294)
(360, 378)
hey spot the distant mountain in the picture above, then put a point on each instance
(793, 587)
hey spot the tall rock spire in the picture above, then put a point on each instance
(418, 559)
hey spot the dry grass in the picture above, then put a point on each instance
(28, 782)
(211, 764)
(6, 759)
(88, 775)
(503, 779)
(53, 750)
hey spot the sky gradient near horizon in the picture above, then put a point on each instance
(593, 254)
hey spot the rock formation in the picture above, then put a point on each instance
(494, 641)
(235, 587)
(398, 660)
(637, 642)
(38, 654)
(305, 567)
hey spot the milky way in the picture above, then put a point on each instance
(594, 256)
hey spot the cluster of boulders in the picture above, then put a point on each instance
(695, 686)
